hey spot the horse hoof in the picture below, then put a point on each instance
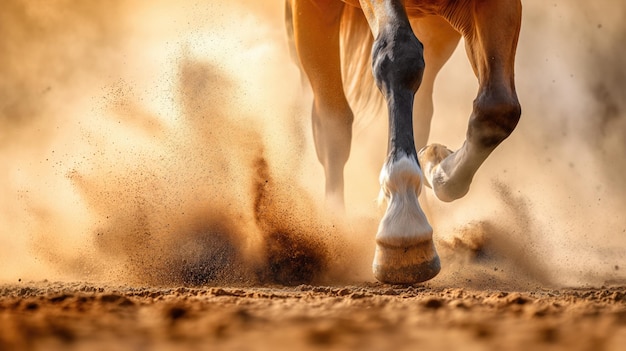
(431, 156)
(406, 265)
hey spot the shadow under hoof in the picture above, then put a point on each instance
(398, 265)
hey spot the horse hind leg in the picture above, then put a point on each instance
(405, 252)
(440, 40)
(316, 28)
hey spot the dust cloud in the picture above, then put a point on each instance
(168, 143)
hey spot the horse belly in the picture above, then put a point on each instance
(414, 8)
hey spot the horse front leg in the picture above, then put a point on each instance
(405, 252)
(491, 34)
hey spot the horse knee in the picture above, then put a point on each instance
(397, 60)
(494, 118)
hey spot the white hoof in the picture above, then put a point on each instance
(443, 174)
(405, 253)
(430, 157)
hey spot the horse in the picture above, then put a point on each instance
(410, 41)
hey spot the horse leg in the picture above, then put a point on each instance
(404, 247)
(491, 32)
(316, 34)
(440, 40)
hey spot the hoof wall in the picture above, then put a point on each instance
(396, 265)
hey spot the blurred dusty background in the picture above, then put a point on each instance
(152, 145)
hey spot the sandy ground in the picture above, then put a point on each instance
(72, 316)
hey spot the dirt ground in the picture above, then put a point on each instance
(77, 316)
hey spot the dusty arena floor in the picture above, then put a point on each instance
(78, 316)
